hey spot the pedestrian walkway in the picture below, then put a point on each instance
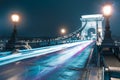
(111, 62)
(112, 66)
(93, 74)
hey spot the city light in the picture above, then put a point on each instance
(107, 10)
(63, 31)
(15, 18)
(99, 30)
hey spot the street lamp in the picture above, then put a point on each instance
(10, 45)
(15, 19)
(99, 30)
(99, 37)
(107, 12)
(63, 31)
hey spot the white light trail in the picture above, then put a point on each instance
(36, 52)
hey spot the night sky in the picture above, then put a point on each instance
(45, 17)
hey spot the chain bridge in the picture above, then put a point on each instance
(75, 56)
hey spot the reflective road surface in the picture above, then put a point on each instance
(60, 62)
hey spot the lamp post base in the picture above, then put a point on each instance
(108, 41)
(107, 45)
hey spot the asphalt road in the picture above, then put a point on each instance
(61, 62)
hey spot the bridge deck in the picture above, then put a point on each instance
(48, 63)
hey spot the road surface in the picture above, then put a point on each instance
(60, 62)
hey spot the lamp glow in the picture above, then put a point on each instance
(107, 10)
(15, 18)
(99, 30)
(63, 31)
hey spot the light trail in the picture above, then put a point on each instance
(60, 60)
(42, 65)
(36, 52)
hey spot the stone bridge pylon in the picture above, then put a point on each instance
(93, 28)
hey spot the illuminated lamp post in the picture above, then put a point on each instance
(99, 33)
(63, 31)
(99, 37)
(107, 12)
(11, 42)
(15, 19)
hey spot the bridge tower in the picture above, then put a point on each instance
(93, 28)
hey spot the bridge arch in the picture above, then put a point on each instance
(91, 32)
(94, 22)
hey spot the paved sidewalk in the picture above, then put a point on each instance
(93, 74)
(112, 62)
